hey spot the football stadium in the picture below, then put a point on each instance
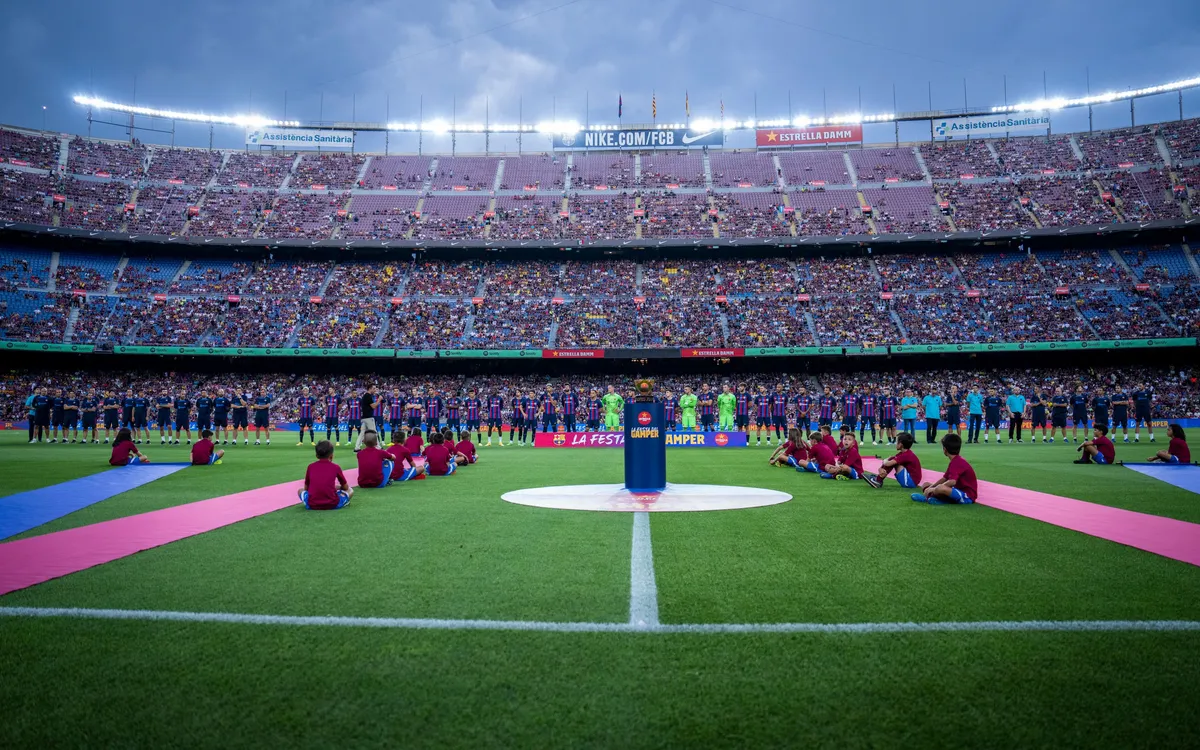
(640, 423)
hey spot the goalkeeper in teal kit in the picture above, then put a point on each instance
(726, 403)
(613, 406)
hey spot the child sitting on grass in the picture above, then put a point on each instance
(958, 485)
(402, 458)
(905, 463)
(325, 486)
(203, 452)
(374, 464)
(819, 453)
(849, 463)
(465, 448)
(124, 452)
(1177, 451)
(1099, 449)
(793, 452)
(439, 461)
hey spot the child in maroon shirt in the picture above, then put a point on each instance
(819, 454)
(439, 461)
(203, 453)
(325, 486)
(1177, 451)
(465, 449)
(905, 463)
(849, 462)
(793, 452)
(374, 464)
(1099, 449)
(958, 485)
(414, 444)
(829, 440)
(408, 468)
(124, 452)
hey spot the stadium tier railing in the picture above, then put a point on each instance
(564, 354)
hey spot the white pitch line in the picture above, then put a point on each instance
(643, 592)
(406, 623)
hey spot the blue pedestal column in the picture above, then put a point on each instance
(645, 447)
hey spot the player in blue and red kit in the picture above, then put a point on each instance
(742, 408)
(670, 406)
(395, 413)
(453, 412)
(473, 408)
(803, 409)
(525, 413)
(495, 412)
(708, 407)
(414, 404)
(433, 411)
(850, 410)
(516, 420)
(570, 406)
(867, 401)
(306, 403)
(762, 415)
(825, 408)
(548, 409)
(333, 408)
(779, 405)
(183, 417)
(887, 416)
(594, 408)
(353, 416)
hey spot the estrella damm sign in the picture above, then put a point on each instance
(643, 432)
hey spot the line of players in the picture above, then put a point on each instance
(53, 417)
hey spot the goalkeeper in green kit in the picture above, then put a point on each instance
(613, 406)
(726, 403)
(687, 410)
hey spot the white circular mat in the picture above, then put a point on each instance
(675, 498)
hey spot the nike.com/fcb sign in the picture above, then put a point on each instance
(613, 140)
(789, 137)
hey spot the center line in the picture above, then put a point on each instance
(643, 593)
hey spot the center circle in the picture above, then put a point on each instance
(673, 498)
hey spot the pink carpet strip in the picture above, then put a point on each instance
(28, 562)
(1178, 540)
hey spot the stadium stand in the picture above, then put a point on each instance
(379, 217)
(733, 169)
(881, 164)
(596, 217)
(954, 160)
(607, 170)
(29, 149)
(660, 169)
(334, 171)
(192, 166)
(802, 168)
(904, 209)
(255, 170)
(106, 158)
(401, 172)
(542, 172)
(1116, 148)
(1034, 155)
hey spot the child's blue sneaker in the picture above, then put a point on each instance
(919, 497)
(826, 475)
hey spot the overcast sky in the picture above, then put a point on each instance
(546, 57)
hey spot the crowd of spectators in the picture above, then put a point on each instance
(276, 278)
(768, 276)
(258, 322)
(451, 217)
(852, 320)
(679, 322)
(904, 209)
(471, 172)
(247, 169)
(522, 279)
(357, 280)
(25, 197)
(27, 269)
(230, 213)
(1114, 148)
(594, 323)
(680, 278)
(1067, 201)
(985, 206)
(600, 278)
(346, 323)
(162, 210)
(602, 170)
(174, 321)
(194, 167)
(943, 318)
(307, 215)
(660, 169)
(121, 160)
(882, 164)
(401, 172)
(95, 205)
(768, 321)
(751, 215)
(1082, 268)
(438, 279)
(1143, 196)
(422, 324)
(527, 217)
(1001, 270)
(511, 323)
(1019, 156)
(956, 159)
(334, 171)
(379, 217)
(672, 215)
(147, 275)
(917, 272)
(212, 277)
(600, 218)
(1183, 139)
(1021, 314)
(33, 316)
(29, 149)
(1117, 314)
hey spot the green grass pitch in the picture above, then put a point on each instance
(450, 548)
